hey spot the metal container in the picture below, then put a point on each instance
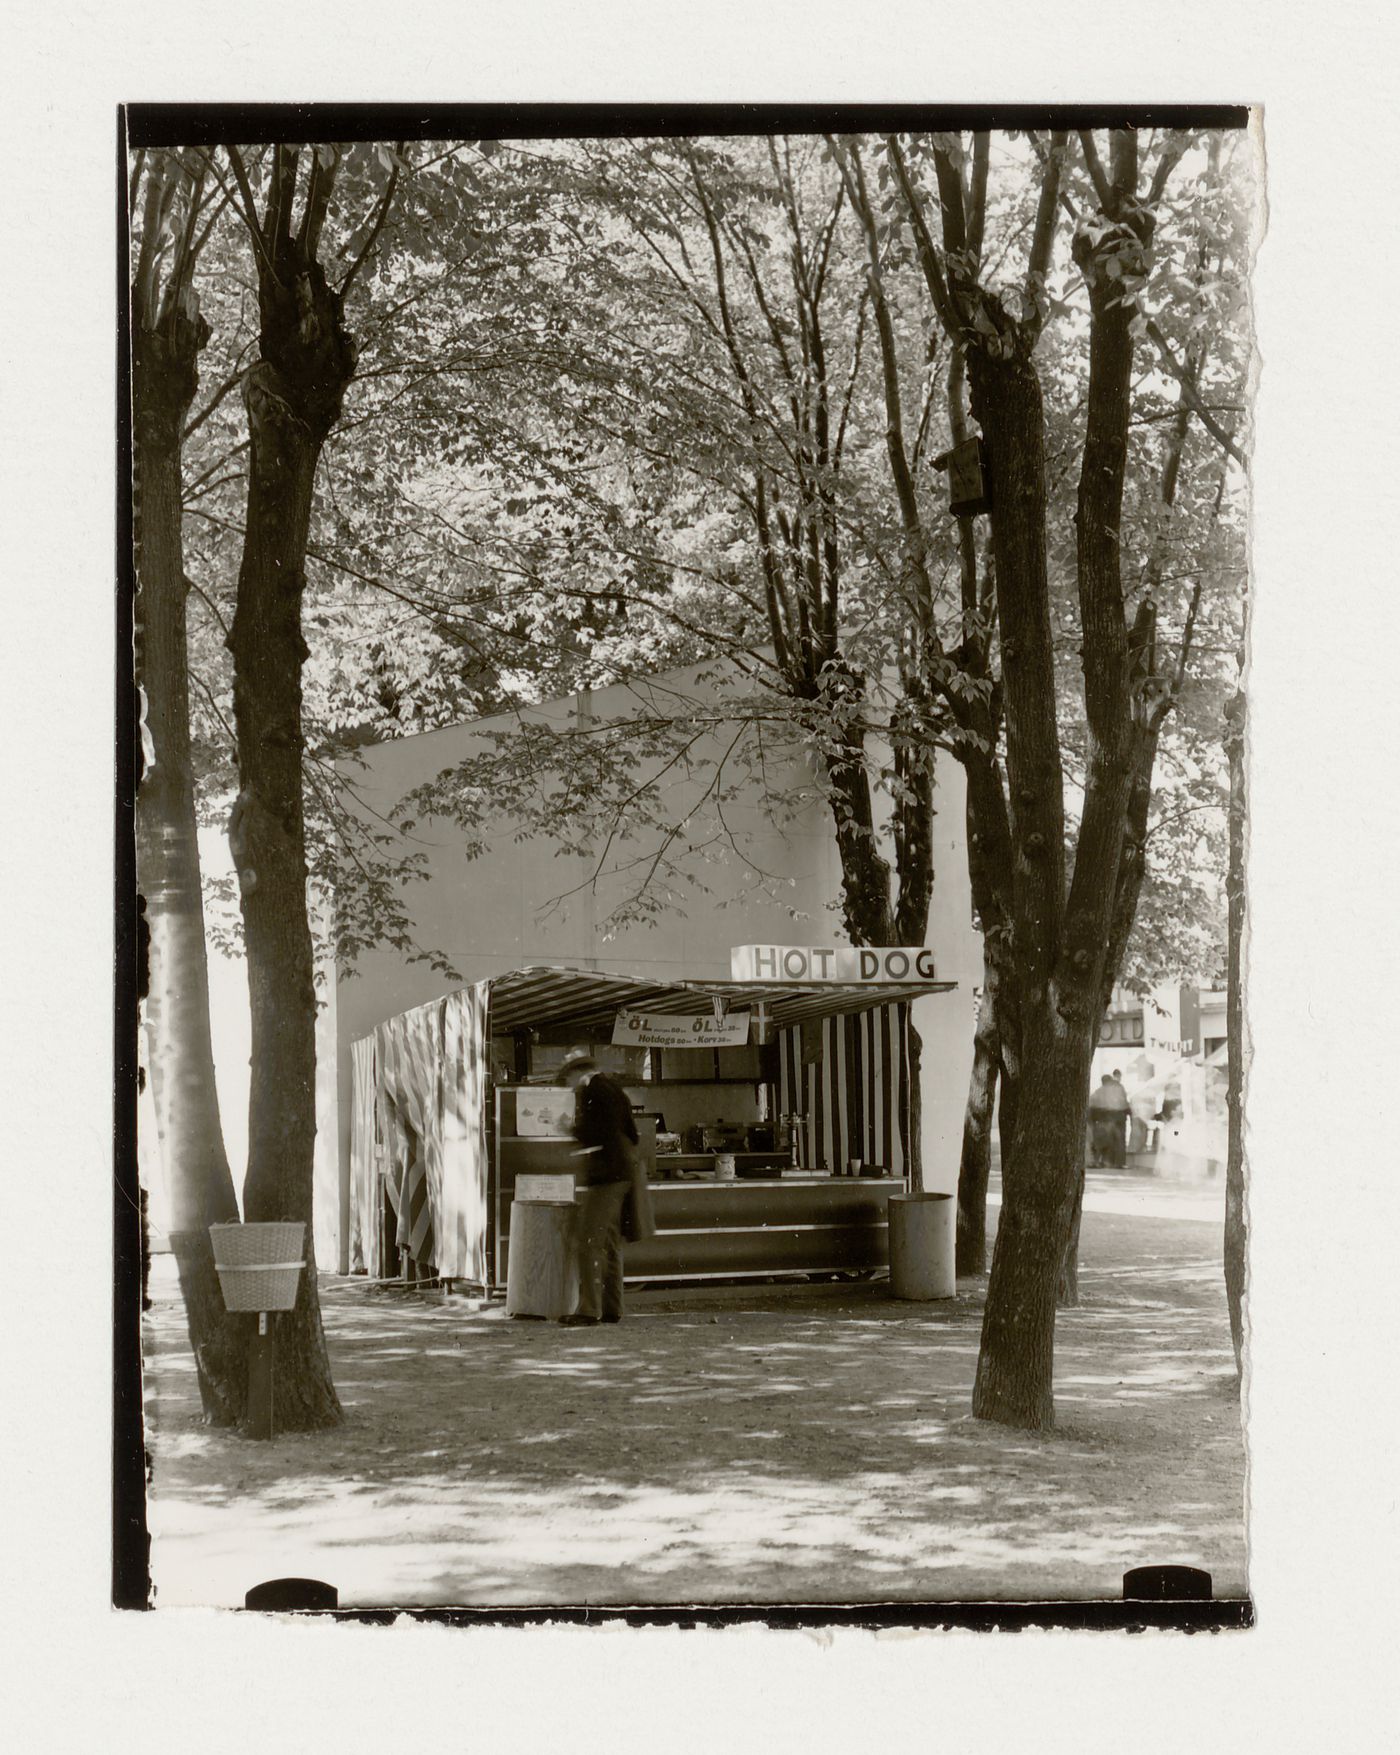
(922, 1246)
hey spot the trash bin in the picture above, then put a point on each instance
(541, 1261)
(921, 1246)
(259, 1265)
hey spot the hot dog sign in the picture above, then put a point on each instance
(863, 965)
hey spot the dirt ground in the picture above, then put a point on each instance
(746, 1444)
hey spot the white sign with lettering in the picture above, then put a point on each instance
(807, 964)
(534, 1185)
(656, 1030)
(545, 1112)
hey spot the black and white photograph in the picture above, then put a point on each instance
(700, 971)
(690, 690)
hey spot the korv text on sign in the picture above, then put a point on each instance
(656, 1030)
(842, 964)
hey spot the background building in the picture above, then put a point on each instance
(1170, 1050)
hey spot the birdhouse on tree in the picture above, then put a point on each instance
(969, 484)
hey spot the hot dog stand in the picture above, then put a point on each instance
(773, 1114)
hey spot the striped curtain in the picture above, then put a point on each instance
(364, 1181)
(410, 1069)
(420, 1094)
(849, 1077)
(461, 1193)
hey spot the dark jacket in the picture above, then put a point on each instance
(603, 1120)
(1108, 1098)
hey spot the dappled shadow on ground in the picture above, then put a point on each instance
(739, 1444)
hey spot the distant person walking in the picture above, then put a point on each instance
(1108, 1114)
(1119, 1141)
(612, 1198)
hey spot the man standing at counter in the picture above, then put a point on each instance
(612, 1198)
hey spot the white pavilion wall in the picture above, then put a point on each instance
(503, 909)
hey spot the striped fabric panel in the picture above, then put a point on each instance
(853, 1098)
(364, 1095)
(878, 1130)
(380, 1254)
(899, 1118)
(855, 1061)
(410, 1069)
(839, 1108)
(423, 1076)
(461, 1219)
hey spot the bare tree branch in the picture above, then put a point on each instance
(1172, 151)
(861, 319)
(319, 186)
(1188, 633)
(1192, 396)
(137, 166)
(928, 255)
(213, 220)
(977, 208)
(1102, 187)
(278, 219)
(894, 420)
(1043, 238)
(159, 194)
(182, 262)
(249, 208)
(950, 199)
(1123, 166)
(378, 226)
(234, 379)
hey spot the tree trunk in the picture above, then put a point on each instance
(293, 397)
(865, 872)
(1006, 399)
(1014, 1383)
(1051, 940)
(915, 1153)
(995, 1059)
(913, 835)
(1067, 1292)
(1015, 1365)
(164, 379)
(974, 1168)
(1236, 1231)
(1058, 941)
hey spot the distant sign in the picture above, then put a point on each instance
(818, 963)
(656, 1030)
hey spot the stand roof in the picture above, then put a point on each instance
(548, 994)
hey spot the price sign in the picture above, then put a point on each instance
(656, 1030)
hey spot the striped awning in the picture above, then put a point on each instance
(551, 994)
